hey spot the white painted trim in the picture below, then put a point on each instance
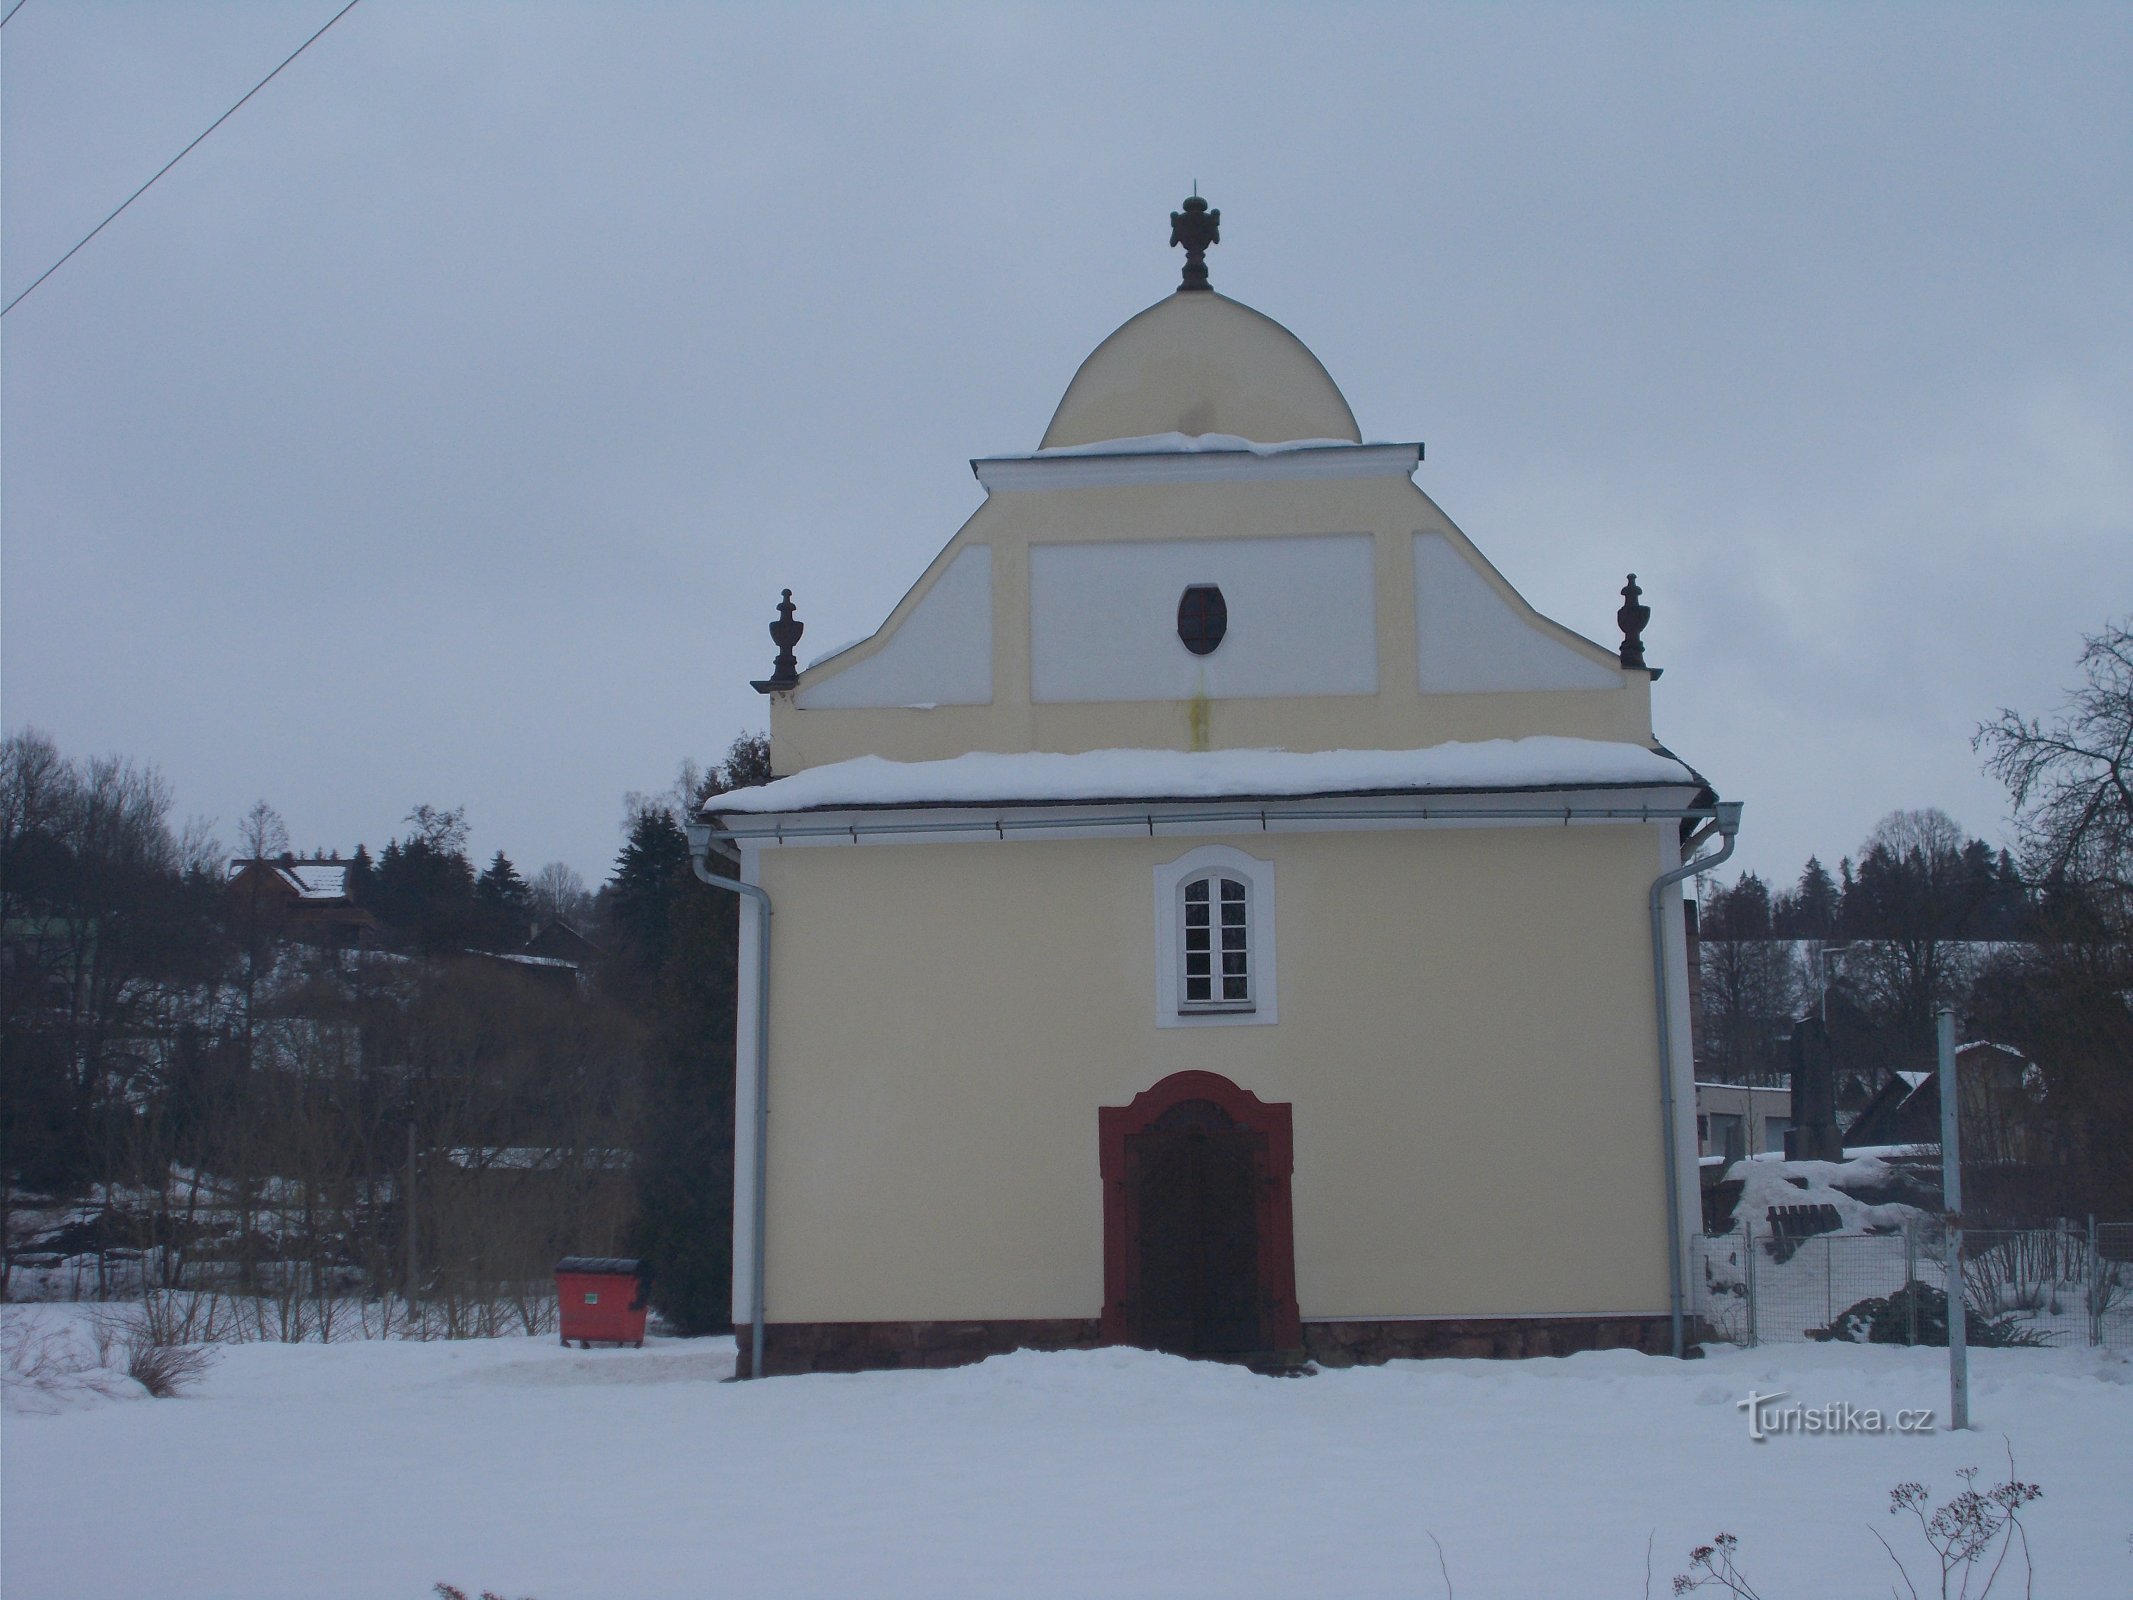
(1019, 474)
(845, 828)
(1258, 875)
(1103, 619)
(1474, 633)
(939, 653)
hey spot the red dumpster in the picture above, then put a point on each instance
(603, 1298)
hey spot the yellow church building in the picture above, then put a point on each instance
(1213, 912)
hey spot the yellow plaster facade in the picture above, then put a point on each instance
(1466, 1033)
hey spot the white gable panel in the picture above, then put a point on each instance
(1469, 638)
(940, 655)
(1302, 619)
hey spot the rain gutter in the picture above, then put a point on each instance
(1725, 821)
(700, 836)
(1262, 815)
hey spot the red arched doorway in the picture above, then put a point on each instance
(1199, 1239)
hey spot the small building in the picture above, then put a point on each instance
(2000, 1087)
(303, 898)
(1214, 912)
(1737, 1119)
(557, 940)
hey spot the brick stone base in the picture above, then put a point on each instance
(790, 1347)
(1345, 1344)
(793, 1347)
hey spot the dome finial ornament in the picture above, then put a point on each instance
(1195, 228)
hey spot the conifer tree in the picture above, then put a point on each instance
(504, 901)
(1816, 902)
(362, 875)
(684, 1166)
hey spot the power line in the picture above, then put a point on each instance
(11, 10)
(174, 160)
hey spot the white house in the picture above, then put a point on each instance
(1213, 911)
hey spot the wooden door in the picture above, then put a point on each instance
(1198, 1251)
(1196, 1177)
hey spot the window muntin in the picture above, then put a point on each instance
(1216, 944)
(1252, 956)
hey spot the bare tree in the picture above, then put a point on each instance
(2066, 996)
(1752, 984)
(1910, 909)
(2071, 779)
(560, 895)
(444, 831)
(261, 834)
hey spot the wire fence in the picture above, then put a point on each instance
(2071, 1284)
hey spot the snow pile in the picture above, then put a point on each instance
(1097, 775)
(375, 1470)
(1768, 1181)
(56, 1361)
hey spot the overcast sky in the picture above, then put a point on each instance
(443, 428)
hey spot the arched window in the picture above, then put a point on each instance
(1215, 919)
(1214, 939)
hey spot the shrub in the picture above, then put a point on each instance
(1891, 1319)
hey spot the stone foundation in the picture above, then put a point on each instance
(1346, 1344)
(790, 1347)
(793, 1347)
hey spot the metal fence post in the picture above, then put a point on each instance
(1910, 1283)
(1747, 1260)
(2095, 1286)
(1951, 1188)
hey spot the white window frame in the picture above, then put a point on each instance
(1171, 1008)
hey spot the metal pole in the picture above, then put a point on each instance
(1747, 1233)
(412, 1256)
(2095, 1286)
(1951, 1191)
(1910, 1284)
(1823, 957)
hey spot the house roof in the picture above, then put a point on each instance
(1045, 777)
(308, 880)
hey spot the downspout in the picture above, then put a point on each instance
(1727, 823)
(699, 854)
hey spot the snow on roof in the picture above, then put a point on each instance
(1160, 444)
(533, 1158)
(517, 959)
(1098, 775)
(317, 880)
(312, 880)
(813, 662)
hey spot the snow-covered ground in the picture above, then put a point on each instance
(375, 1469)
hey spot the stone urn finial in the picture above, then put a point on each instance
(784, 633)
(1631, 620)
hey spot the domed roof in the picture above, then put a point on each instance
(1198, 362)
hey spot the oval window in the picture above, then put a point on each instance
(1203, 618)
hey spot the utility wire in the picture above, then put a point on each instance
(11, 10)
(174, 160)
